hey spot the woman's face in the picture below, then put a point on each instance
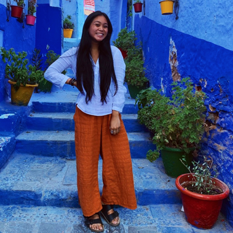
(98, 29)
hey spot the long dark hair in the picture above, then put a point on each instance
(84, 70)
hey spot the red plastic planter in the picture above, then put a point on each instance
(137, 7)
(201, 210)
(16, 11)
(124, 53)
(30, 20)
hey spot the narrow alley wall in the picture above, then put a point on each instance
(197, 45)
(13, 35)
(45, 35)
(49, 32)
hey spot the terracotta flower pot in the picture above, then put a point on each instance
(23, 95)
(124, 53)
(30, 19)
(166, 7)
(67, 33)
(201, 210)
(16, 11)
(137, 7)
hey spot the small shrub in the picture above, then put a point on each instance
(31, 7)
(125, 40)
(44, 85)
(17, 68)
(176, 122)
(202, 177)
(19, 2)
(67, 24)
(135, 71)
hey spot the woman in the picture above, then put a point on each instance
(99, 129)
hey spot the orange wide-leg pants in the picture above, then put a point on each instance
(93, 138)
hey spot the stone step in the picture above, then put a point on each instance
(129, 108)
(7, 146)
(64, 121)
(61, 143)
(63, 101)
(145, 219)
(51, 181)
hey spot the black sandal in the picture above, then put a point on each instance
(109, 217)
(89, 221)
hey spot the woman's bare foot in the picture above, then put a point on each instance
(107, 211)
(95, 226)
(116, 220)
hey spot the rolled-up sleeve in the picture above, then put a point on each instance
(119, 67)
(53, 73)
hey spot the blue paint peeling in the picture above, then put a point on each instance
(5, 116)
(3, 142)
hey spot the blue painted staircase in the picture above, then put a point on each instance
(41, 173)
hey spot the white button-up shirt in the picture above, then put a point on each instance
(95, 106)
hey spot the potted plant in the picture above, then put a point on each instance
(125, 40)
(22, 77)
(68, 27)
(202, 193)
(177, 123)
(135, 71)
(30, 18)
(137, 6)
(166, 7)
(16, 11)
(43, 84)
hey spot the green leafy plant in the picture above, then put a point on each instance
(176, 122)
(152, 155)
(34, 75)
(67, 24)
(125, 40)
(135, 71)
(202, 174)
(20, 2)
(31, 7)
(137, 1)
(37, 59)
(17, 68)
(51, 57)
(44, 85)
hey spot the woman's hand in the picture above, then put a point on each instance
(115, 123)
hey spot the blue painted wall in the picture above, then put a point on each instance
(13, 35)
(1, 68)
(196, 45)
(80, 18)
(49, 28)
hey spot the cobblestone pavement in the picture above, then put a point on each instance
(153, 219)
